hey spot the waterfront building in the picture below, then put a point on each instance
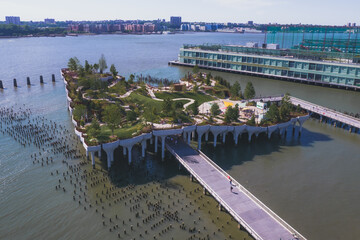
(12, 20)
(175, 22)
(329, 59)
(49, 21)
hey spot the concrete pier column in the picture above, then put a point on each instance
(188, 138)
(193, 135)
(184, 136)
(215, 139)
(151, 140)
(224, 137)
(109, 156)
(238, 130)
(129, 148)
(93, 159)
(87, 155)
(99, 153)
(199, 141)
(163, 147)
(156, 143)
(124, 151)
(206, 136)
(301, 121)
(143, 146)
(321, 117)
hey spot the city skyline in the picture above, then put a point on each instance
(259, 11)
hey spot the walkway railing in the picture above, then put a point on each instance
(341, 117)
(216, 196)
(256, 200)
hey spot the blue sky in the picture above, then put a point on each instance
(329, 12)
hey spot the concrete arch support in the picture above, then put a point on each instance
(301, 121)
(200, 131)
(238, 130)
(216, 130)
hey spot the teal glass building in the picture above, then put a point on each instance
(275, 63)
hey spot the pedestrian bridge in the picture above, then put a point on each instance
(249, 212)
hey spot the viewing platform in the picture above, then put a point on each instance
(247, 210)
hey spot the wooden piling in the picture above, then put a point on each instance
(28, 81)
(41, 79)
(15, 83)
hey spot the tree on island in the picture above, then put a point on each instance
(232, 114)
(96, 67)
(195, 69)
(251, 121)
(249, 92)
(195, 88)
(194, 108)
(102, 63)
(73, 64)
(112, 116)
(285, 107)
(207, 80)
(273, 113)
(87, 67)
(130, 116)
(113, 70)
(94, 129)
(235, 90)
(80, 112)
(167, 106)
(131, 79)
(215, 110)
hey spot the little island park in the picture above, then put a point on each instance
(107, 107)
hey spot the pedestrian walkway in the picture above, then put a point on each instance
(250, 213)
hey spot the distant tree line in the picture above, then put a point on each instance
(11, 30)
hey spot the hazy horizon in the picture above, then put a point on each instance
(222, 11)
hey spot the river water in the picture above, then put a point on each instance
(311, 181)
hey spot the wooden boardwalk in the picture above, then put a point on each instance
(250, 213)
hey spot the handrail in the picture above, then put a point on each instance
(347, 117)
(216, 196)
(256, 200)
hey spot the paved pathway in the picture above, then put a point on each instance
(327, 112)
(253, 215)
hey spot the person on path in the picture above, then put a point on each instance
(231, 185)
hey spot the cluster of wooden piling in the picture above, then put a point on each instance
(28, 82)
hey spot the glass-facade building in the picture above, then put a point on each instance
(273, 63)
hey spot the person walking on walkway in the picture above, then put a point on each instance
(231, 185)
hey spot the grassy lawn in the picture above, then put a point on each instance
(200, 97)
(122, 133)
(146, 101)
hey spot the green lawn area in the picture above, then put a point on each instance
(200, 97)
(146, 101)
(122, 133)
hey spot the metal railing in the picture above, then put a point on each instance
(242, 222)
(342, 117)
(256, 200)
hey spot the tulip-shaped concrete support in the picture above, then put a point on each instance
(129, 148)
(163, 147)
(109, 156)
(238, 131)
(93, 159)
(156, 144)
(143, 148)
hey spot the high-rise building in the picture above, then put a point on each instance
(175, 22)
(49, 21)
(12, 20)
